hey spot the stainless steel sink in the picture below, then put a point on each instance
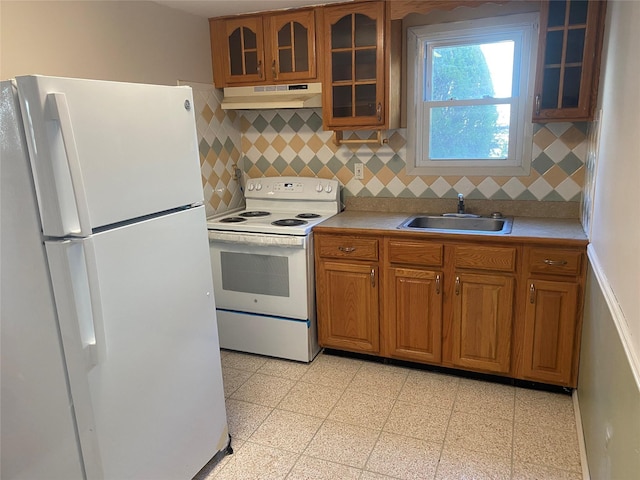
(461, 224)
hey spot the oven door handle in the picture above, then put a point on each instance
(258, 239)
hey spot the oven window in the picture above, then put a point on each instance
(251, 273)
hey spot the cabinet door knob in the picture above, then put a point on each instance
(260, 69)
(538, 104)
(457, 285)
(532, 293)
(379, 111)
(373, 277)
(437, 284)
(555, 263)
(347, 249)
(273, 69)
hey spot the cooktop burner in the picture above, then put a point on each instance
(289, 222)
(255, 213)
(233, 220)
(308, 215)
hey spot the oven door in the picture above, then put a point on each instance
(259, 273)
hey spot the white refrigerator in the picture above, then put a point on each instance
(109, 342)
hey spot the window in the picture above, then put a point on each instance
(470, 96)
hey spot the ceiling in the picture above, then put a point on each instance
(219, 8)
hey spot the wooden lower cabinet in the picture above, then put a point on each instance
(347, 297)
(414, 315)
(549, 331)
(482, 322)
(499, 308)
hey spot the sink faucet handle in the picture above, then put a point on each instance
(460, 203)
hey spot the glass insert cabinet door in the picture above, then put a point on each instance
(566, 65)
(354, 75)
(293, 45)
(245, 50)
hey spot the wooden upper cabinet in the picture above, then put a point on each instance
(264, 49)
(354, 80)
(568, 68)
(292, 45)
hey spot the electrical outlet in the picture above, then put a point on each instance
(358, 171)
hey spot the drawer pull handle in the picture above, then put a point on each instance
(437, 284)
(373, 277)
(538, 104)
(532, 293)
(347, 249)
(457, 285)
(555, 263)
(273, 70)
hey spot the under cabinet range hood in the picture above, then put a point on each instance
(301, 95)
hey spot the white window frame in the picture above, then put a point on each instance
(523, 29)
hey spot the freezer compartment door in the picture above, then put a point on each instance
(106, 152)
(148, 346)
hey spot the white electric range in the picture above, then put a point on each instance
(263, 268)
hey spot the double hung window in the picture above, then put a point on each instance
(470, 96)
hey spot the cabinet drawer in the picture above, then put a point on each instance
(356, 248)
(501, 259)
(416, 253)
(555, 261)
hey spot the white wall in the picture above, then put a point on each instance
(609, 378)
(109, 40)
(616, 222)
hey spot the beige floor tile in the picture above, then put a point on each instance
(362, 409)
(431, 389)
(288, 431)
(342, 443)
(477, 433)
(466, 464)
(528, 471)
(332, 371)
(379, 380)
(257, 462)
(284, 368)
(242, 361)
(542, 445)
(553, 410)
(485, 398)
(404, 457)
(243, 418)
(366, 475)
(316, 400)
(418, 421)
(263, 390)
(309, 468)
(232, 378)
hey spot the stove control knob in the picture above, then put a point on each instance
(319, 188)
(328, 189)
(258, 187)
(250, 186)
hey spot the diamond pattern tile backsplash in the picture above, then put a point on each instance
(219, 146)
(266, 143)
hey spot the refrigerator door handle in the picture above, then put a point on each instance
(77, 292)
(74, 290)
(58, 109)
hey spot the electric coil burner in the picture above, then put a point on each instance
(263, 269)
(289, 222)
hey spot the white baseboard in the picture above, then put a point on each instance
(581, 444)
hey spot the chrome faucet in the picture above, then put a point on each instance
(460, 203)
